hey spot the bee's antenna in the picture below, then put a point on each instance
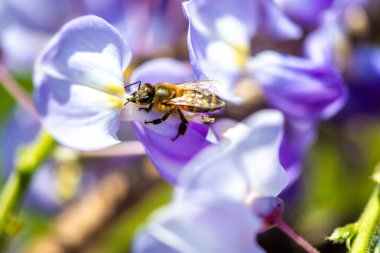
(139, 82)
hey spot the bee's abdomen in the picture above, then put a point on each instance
(203, 103)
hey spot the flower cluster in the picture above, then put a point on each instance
(81, 98)
(229, 186)
(36, 22)
(280, 66)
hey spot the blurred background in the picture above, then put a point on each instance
(94, 202)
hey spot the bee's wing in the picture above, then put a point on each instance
(206, 87)
(189, 101)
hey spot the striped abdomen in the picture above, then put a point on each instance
(195, 101)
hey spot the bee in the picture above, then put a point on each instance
(169, 98)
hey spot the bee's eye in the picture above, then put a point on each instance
(145, 99)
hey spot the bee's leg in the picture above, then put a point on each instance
(203, 118)
(160, 120)
(207, 119)
(147, 109)
(183, 126)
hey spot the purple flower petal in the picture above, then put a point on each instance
(275, 23)
(155, 71)
(364, 67)
(244, 163)
(87, 51)
(18, 55)
(306, 13)
(39, 15)
(299, 136)
(218, 39)
(363, 79)
(168, 156)
(322, 44)
(201, 224)
(299, 87)
(33, 21)
(153, 26)
(223, 20)
(79, 84)
(110, 10)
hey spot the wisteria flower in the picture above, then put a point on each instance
(79, 92)
(305, 90)
(79, 83)
(329, 44)
(222, 190)
(219, 46)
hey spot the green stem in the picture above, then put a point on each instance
(368, 233)
(29, 159)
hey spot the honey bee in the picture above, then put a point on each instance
(194, 97)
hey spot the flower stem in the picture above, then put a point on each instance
(368, 232)
(297, 238)
(29, 159)
(17, 92)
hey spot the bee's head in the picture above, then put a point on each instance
(143, 96)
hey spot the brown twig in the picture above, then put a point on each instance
(79, 224)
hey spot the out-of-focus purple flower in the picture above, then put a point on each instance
(219, 50)
(310, 14)
(329, 44)
(273, 22)
(80, 95)
(359, 62)
(221, 191)
(151, 27)
(26, 26)
(302, 89)
(306, 13)
(110, 10)
(323, 44)
(364, 66)
(299, 136)
(305, 89)
(363, 78)
(63, 177)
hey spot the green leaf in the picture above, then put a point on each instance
(344, 234)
